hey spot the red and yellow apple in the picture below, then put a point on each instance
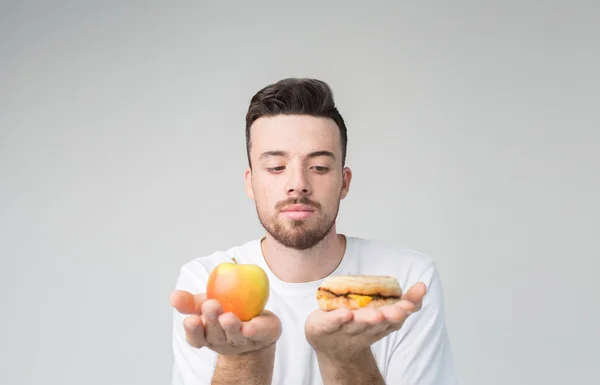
(242, 289)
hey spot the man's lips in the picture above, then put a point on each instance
(297, 208)
(297, 212)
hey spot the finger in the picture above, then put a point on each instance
(215, 335)
(415, 294)
(366, 320)
(397, 313)
(186, 302)
(233, 329)
(332, 321)
(264, 328)
(194, 331)
(329, 321)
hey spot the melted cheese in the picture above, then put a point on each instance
(361, 300)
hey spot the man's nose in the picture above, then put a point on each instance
(298, 183)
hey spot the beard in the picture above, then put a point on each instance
(299, 234)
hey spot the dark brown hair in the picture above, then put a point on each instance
(295, 96)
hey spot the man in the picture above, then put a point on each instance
(296, 144)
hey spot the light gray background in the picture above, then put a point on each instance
(473, 136)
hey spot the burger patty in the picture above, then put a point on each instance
(326, 293)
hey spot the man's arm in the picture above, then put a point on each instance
(253, 368)
(210, 346)
(342, 338)
(361, 369)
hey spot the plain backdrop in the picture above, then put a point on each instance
(473, 137)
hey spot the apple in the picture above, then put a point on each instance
(242, 289)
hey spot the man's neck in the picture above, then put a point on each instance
(290, 265)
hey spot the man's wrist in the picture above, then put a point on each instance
(252, 355)
(343, 358)
(355, 367)
(253, 367)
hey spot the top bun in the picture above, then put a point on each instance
(385, 286)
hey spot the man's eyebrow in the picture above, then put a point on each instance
(313, 154)
(266, 154)
(328, 154)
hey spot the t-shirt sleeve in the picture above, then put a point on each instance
(421, 353)
(191, 366)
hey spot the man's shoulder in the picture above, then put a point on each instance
(377, 248)
(393, 257)
(242, 253)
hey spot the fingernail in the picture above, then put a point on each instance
(191, 328)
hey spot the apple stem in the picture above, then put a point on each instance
(234, 261)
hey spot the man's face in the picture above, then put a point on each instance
(297, 180)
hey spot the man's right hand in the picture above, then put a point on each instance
(224, 333)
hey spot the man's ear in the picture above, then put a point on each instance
(346, 179)
(248, 180)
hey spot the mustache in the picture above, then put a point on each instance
(297, 201)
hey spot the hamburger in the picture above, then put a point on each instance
(358, 291)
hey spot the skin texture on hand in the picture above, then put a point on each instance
(208, 326)
(342, 336)
(246, 349)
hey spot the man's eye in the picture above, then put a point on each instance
(321, 169)
(275, 169)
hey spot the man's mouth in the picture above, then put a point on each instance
(292, 208)
(298, 212)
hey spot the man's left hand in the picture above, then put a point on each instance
(343, 334)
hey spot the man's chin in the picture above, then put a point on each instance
(299, 238)
(298, 243)
(294, 224)
(298, 234)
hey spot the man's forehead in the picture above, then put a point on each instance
(295, 130)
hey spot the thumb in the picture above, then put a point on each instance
(186, 302)
(328, 321)
(416, 293)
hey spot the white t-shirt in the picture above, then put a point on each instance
(417, 354)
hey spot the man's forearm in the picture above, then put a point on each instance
(359, 369)
(253, 368)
